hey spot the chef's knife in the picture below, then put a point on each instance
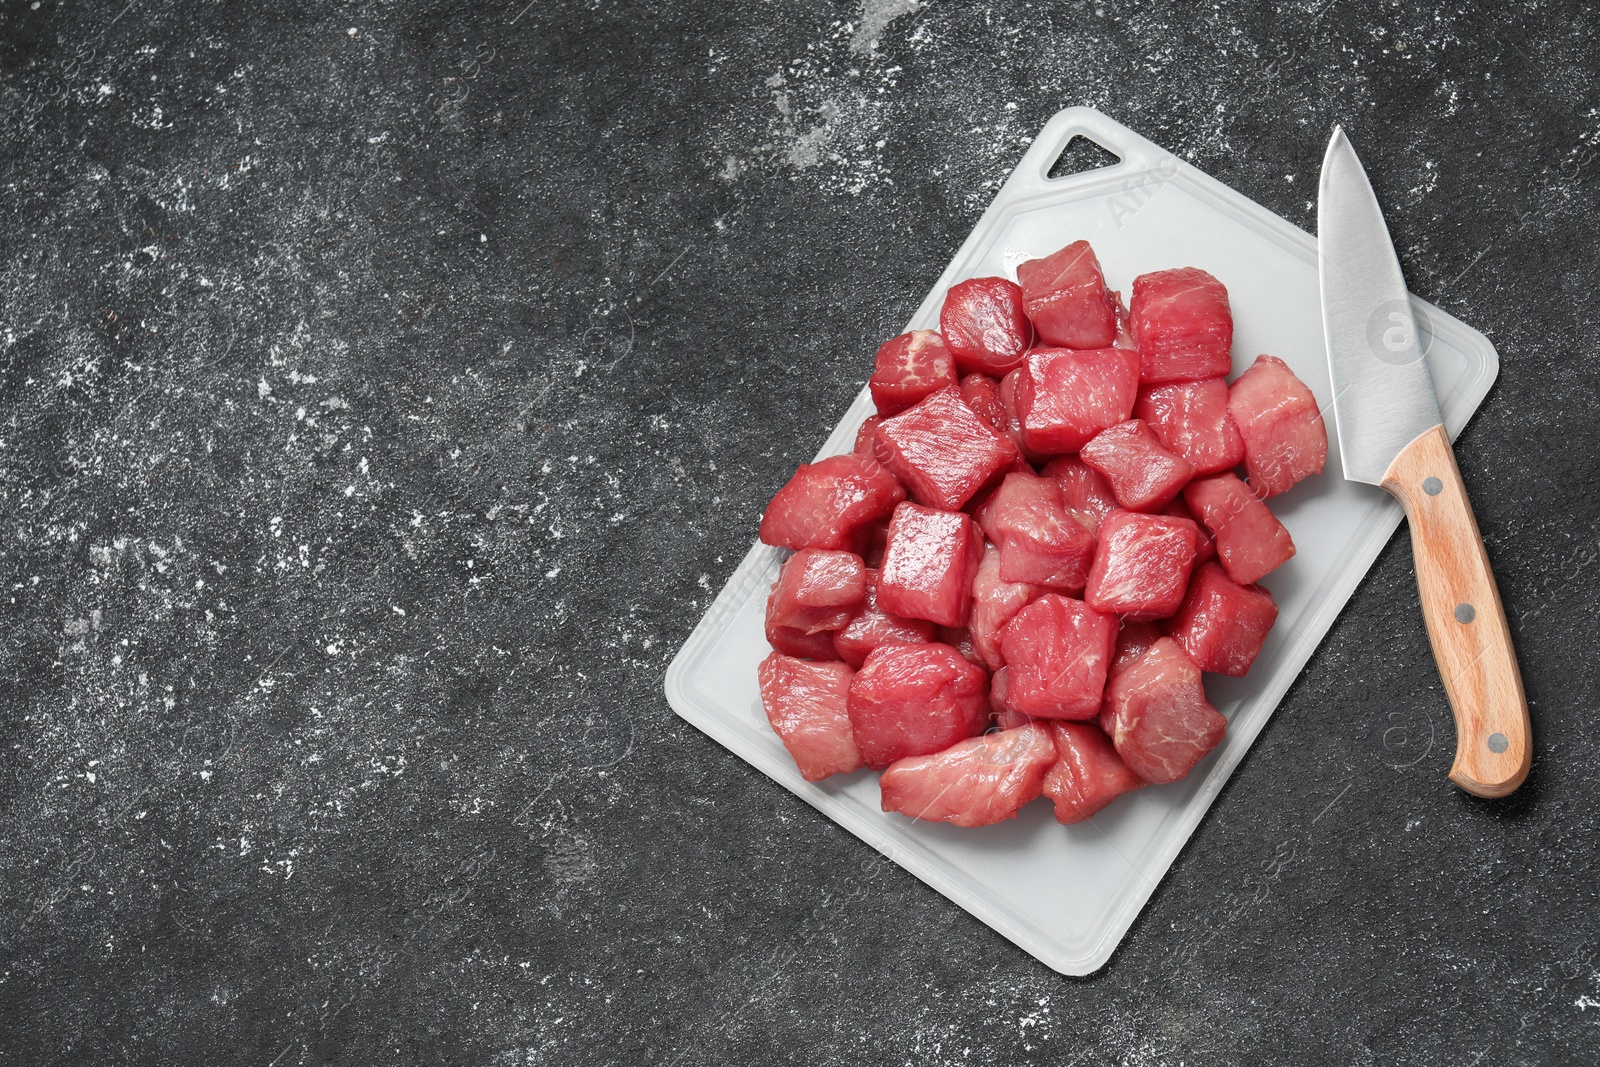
(1391, 434)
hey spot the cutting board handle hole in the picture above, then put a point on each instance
(1081, 154)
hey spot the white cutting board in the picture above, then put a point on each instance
(1067, 894)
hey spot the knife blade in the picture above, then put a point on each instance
(1391, 434)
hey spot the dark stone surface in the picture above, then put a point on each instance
(386, 388)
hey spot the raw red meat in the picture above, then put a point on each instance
(977, 782)
(908, 368)
(1284, 438)
(1205, 547)
(1008, 402)
(806, 705)
(1192, 420)
(1133, 640)
(910, 700)
(867, 437)
(960, 639)
(984, 325)
(1103, 719)
(801, 645)
(871, 540)
(1161, 722)
(928, 566)
(1004, 717)
(1088, 774)
(1039, 542)
(816, 593)
(1056, 652)
(942, 450)
(871, 626)
(1065, 396)
(1137, 432)
(1182, 325)
(1065, 295)
(1124, 324)
(1084, 490)
(1222, 624)
(1141, 565)
(1143, 475)
(997, 697)
(994, 602)
(821, 506)
(982, 394)
(1251, 542)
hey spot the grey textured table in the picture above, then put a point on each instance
(385, 389)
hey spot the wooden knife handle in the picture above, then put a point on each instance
(1466, 624)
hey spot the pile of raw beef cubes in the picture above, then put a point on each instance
(1014, 583)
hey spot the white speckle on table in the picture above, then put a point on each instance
(876, 15)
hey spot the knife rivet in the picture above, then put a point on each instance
(1498, 743)
(1465, 613)
(1432, 486)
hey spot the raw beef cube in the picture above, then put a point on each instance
(1141, 565)
(1065, 296)
(1161, 722)
(994, 602)
(1124, 324)
(1056, 652)
(1222, 624)
(1251, 542)
(798, 643)
(1143, 475)
(982, 394)
(977, 782)
(871, 626)
(825, 501)
(816, 593)
(928, 566)
(908, 368)
(942, 450)
(1004, 717)
(984, 325)
(1103, 720)
(806, 704)
(910, 700)
(1065, 396)
(1182, 325)
(1084, 490)
(1192, 420)
(1039, 542)
(1205, 548)
(1133, 640)
(867, 437)
(960, 639)
(1088, 774)
(997, 699)
(1284, 438)
(871, 540)
(1008, 402)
